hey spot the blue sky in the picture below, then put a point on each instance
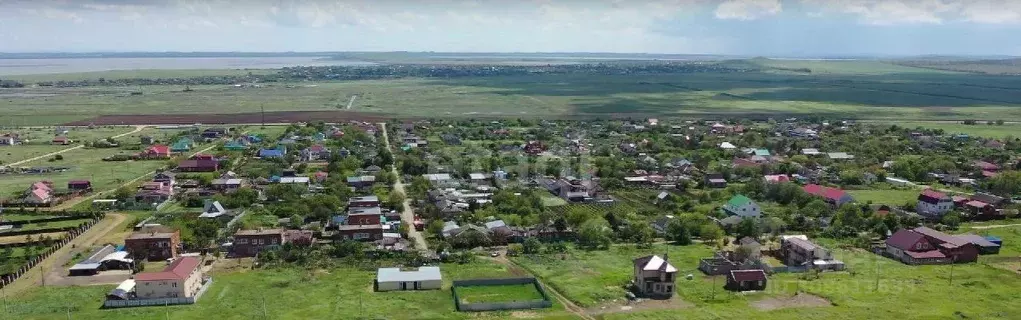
(744, 27)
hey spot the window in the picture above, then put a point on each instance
(173, 285)
(242, 241)
(361, 235)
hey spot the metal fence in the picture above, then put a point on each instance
(71, 235)
(494, 306)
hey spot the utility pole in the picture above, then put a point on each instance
(714, 289)
(953, 261)
(166, 308)
(876, 288)
(262, 108)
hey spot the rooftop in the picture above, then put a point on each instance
(398, 275)
(178, 270)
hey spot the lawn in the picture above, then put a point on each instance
(47, 225)
(502, 293)
(84, 164)
(891, 196)
(276, 294)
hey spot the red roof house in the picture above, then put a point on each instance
(986, 166)
(79, 185)
(833, 196)
(927, 246)
(202, 156)
(61, 140)
(158, 151)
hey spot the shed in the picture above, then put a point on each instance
(422, 278)
(123, 291)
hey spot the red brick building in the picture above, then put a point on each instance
(153, 246)
(248, 243)
(360, 232)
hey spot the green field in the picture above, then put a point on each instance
(891, 197)
(978, 130)
(47, 225)
(11, 154)
(84, 164)
(852, 89)
(979, 291)
(343, 293)
(501, 293)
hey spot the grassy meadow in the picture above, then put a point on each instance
(891, 197)
(502, 293)
(853, 89)
(343, 293)
(979, 290)
(84, 164)
(977, 130)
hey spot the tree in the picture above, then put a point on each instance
(638, 232)
(532, 246)
(297, 221)
(123, 193)
(1006, 183)
(678, 232)
(435, 227)
(594, 234)
(710, 232)
(952, 220)
(748, 228)
(395, 198)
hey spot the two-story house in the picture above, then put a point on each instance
(742, 206)
(248, 243)
(654, 276)
(933, 204)
(153, 246)
(181, 279)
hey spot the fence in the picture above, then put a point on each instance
(159, 301)
(71, 235)
(494, 306)
(42, 220)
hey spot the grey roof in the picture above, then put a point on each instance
(365, 198)
(398, 275)
(85, 266)
(495, 224)
(437, 176)
(365, 210)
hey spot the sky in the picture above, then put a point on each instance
(737, 27)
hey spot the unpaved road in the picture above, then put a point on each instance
(407, 215)
(54, 264)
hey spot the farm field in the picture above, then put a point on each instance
(47, 225)
(592, 278)
(11, 154)
(853, 89)
(503, 293)
(891, 197)
(278, 294)
(978, 130)
(135, 74)
(84, 164)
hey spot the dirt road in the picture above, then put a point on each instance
(137, 129)
(407, 215)
(53, 266)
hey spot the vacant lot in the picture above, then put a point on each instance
(277, 294)
(503, 293)
(890, 197)
(84, 164)
(923, 292)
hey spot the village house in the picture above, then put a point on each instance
(79, 185)
(181, 279)
(654, 276)
(361, 182)
(746, 280)
(927, 246)
(155, 152)
(277, 152)
(366, 201)
(570, 190)
(198, 165)
(834, 196)
(61, 140)
(248, 243)
(933, 204)
(797, 250)
(226, 185)
(315, 153)
(741, 205)
(361, 232)
(181, 145)
(40, 192)
(153, 246)
(715, 180)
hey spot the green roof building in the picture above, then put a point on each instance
(742, 206)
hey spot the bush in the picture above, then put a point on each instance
(58, 157)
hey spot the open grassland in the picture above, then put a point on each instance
(502, 293)
(853, 89)
(978, 291)
(48, 225)
(890, 197)
(11, 154)
(977, 130)
(344, 293)
(85, 164)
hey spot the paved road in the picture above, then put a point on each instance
(137, 129)
(407, 215)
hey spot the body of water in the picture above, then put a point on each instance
(75, 65)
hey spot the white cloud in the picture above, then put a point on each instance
(747, 9)
(892, 12)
